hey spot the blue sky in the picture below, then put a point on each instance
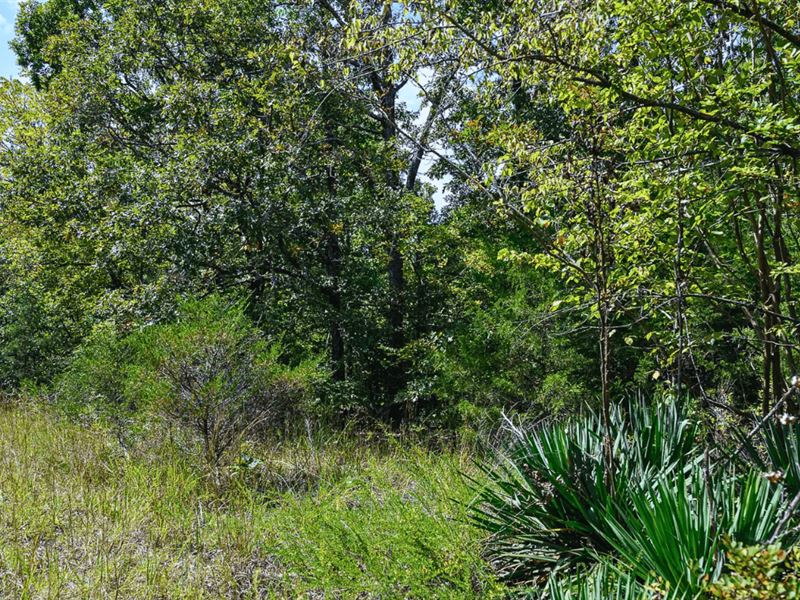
(8, 62)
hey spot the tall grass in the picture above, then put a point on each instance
(82, 518)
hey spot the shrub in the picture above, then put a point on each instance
(93, 384)
(213, 372)
(664, 518)
(676, 528)
(548, 505)
(759, 573)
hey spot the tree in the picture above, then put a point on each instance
(232, 141)
(695, 100)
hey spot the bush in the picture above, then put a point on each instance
(220, 377)
(93, 386)
(676, 528)
(211, 371)
(548, 505)
(759, 573)
(664, 519)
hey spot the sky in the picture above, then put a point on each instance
(410, 94)
(8, 62)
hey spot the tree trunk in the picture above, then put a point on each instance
(397, 371)
(771, 372)
(333, 268)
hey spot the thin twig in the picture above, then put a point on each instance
(786, 516)
(764, 420)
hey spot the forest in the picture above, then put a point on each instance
(401, 299)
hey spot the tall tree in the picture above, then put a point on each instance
(697, 101)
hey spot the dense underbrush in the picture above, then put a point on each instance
(190, 458)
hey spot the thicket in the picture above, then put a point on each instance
(209, 371)
(463, 208)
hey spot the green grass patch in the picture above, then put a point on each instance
(82, 517)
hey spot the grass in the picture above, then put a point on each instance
(81, 517)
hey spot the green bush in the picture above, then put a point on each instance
(213, 372)
(676, 528)
(93, 386)
(759, 573)
(548, 504)
(664, 518)
(210, 371)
